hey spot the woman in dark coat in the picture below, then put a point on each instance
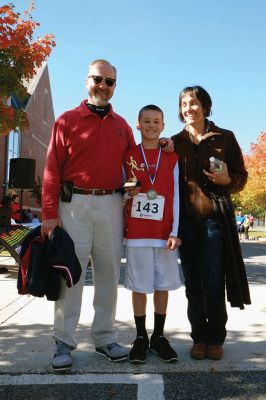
(210, 252)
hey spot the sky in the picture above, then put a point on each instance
(159, 47)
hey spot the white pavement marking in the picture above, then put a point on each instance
(146, 382)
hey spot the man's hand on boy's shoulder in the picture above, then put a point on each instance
(173, 242)
(167, 145)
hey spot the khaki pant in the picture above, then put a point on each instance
(95, 225)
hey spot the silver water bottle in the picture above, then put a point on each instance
(216, 165)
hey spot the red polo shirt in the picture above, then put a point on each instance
(86, 150)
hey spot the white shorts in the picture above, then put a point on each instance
(151, 268)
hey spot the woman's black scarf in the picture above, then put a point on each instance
(235, 274)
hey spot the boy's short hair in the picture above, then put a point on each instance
(150, 107)
(201, 94)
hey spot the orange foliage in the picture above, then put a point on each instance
(20, 56)
(253, 197)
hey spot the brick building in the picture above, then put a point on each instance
(34, 141)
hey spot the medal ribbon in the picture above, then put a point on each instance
(152, 179)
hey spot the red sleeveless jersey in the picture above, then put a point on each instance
(137, 228)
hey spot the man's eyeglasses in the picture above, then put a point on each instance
(98, 79)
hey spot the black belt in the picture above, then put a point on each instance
(95, 192)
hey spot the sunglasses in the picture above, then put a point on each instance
(98, 79)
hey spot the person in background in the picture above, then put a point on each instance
(24, 216)
(251, 220)
(210, 252)
(35, 219)
(246, 227)
(5, 202)
(240, 225)
(29, 215)
(16, 210)
(152, 218)
(84, 159)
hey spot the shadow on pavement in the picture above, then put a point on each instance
(29, 348)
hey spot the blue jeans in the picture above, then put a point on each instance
(202, 255)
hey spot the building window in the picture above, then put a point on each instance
(13, 149)
(45, 106)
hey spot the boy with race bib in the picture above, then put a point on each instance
(151, 226)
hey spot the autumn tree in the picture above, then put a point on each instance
(20, 56)
(253, 197)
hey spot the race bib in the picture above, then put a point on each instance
(144, 208)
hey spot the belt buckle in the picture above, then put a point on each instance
(93, 191)
(103, 191)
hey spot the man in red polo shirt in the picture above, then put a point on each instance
(85, 156)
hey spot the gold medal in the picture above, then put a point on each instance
(151, 194)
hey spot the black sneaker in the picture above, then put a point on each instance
(162, 348)
(139, 351)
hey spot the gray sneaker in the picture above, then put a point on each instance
(113, 352)
(62, 360)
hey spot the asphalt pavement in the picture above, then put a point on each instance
(26, 347)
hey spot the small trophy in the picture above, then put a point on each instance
(132, 182)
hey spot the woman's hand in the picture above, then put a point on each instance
(173, 242)
(221, 178)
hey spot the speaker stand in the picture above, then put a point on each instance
(20, 204)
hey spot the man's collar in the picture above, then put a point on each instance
(84, 111)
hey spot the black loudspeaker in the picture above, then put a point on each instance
(22, 173)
